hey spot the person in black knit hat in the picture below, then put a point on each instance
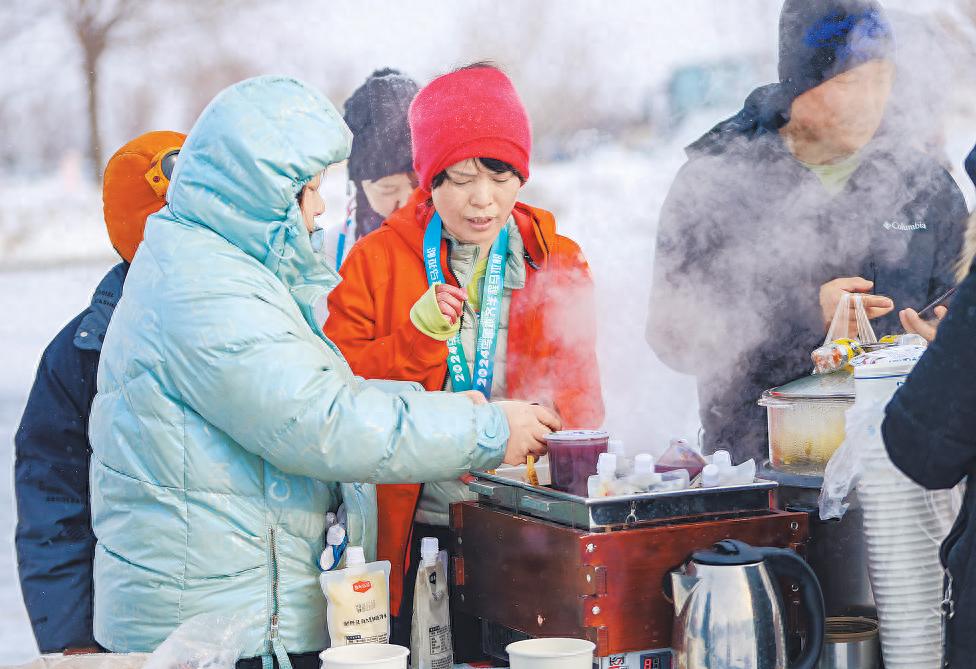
(381, 161)
(805, 194)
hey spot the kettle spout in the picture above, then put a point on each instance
(682, 585)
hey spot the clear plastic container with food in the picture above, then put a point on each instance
(806, 421)
(573, 455)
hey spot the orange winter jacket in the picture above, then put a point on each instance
(551, 337)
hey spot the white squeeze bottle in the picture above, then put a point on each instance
(722, 459)
(602, 483)
(358, 598)
(624, 464)
(711, 476)
(644, 477)
(431, 644)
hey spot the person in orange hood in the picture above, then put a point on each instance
(54, 539)
(466, 289)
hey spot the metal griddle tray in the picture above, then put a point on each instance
(608, 513)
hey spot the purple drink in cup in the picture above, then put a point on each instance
(572, 458)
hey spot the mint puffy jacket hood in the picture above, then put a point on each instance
(226, 425)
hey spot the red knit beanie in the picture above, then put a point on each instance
(470, 113)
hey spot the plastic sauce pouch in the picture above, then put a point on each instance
(431, 644)
(358, 598)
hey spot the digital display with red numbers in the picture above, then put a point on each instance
(655, 661)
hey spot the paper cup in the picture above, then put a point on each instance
(923, 553)
(551, 654)
(889, 502)
(891, 553)
(921, 546)
(921, 589)
(372, 655)
(912, 630)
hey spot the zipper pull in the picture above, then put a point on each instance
(274, 626)
(948, 606)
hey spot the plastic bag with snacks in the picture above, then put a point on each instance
(844, 341)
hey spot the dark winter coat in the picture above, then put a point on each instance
(748, 235)
(930, 434)
(55, 542)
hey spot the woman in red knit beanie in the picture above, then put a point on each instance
(465, 289)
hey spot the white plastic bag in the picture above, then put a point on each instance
(840, 325)
(206, 641)
(845, 466)
(841, 346)
(87, 661)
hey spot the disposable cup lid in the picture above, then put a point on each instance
(889, 539)
(429, 547)
(577, 435)
(355, 555)
(892, 361)
(934, 589)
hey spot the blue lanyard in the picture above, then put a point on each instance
(489, 320)
(341, 245)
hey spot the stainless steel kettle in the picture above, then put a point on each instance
(728, 612)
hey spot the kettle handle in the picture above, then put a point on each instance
(787, 564)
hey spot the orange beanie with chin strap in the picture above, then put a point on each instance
(134, 187)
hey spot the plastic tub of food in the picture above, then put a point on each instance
(572, 458)
(806, 421)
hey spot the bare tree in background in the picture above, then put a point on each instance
(99, 26)
(95, 23)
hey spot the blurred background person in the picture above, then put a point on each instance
(801, 197)
(380, 165)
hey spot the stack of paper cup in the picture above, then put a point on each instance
(904, 525)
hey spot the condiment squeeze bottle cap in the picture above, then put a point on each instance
(643, 463)
(710, 476)
(722, 459)
(355, 556)
(336, 535)
(606, 465)
(429, 547)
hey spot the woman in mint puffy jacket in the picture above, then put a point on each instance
(226, 425)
